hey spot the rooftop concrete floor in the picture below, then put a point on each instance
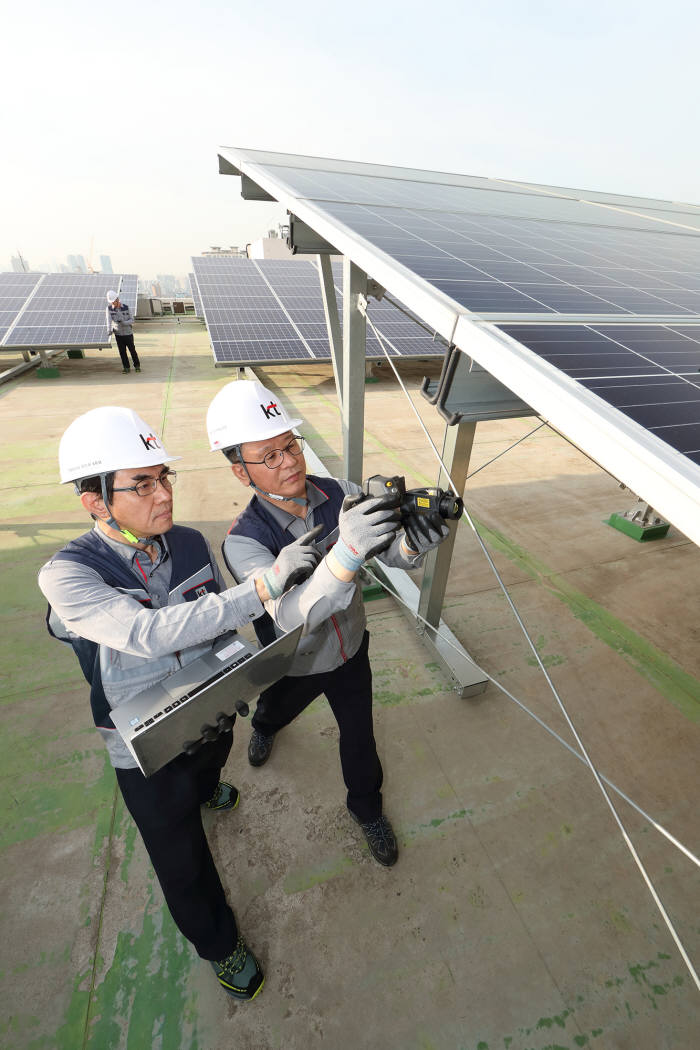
(515, 918)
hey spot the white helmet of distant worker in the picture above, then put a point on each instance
(245, 410)
(107, 439)
(112, 297)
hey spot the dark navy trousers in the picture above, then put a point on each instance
(166, 808)
(348, 690)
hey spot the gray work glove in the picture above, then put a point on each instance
(424, 531)
(295, 563)
(365, 527)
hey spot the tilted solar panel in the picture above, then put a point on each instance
(15, 289)
(194, 292)
(65, 310)
(128, 291)
(272, 310)
(530, 281)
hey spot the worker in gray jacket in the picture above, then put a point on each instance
(250, 425)
(121, 321)
(139, 597)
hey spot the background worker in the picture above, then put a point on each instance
(249, 424)
(139, 597)
(121, 322)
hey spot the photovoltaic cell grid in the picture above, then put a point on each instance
(194, 291)
(65, 310)
(650, 373)
(511, 252)
(128, 291)
(272, 310)
(15, 288)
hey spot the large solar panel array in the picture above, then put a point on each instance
(64, 310)
(15, 289)
(587, 305)
(272, 310)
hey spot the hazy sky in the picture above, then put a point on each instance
(113, 113)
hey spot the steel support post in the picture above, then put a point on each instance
(352, 404)
(330, 308)
(456, 450)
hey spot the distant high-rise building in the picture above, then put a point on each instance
(19, 265)
(77, 264)
(106, 264)
(62, 268)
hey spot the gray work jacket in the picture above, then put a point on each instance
(331, 609)
(121, 320)
(139, 646)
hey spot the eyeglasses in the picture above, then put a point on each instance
(149, 485)
(275, 457)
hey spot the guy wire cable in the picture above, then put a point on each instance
(386, 586)
(511, 603)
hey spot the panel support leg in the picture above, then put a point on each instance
(330, 309)
(352, 403)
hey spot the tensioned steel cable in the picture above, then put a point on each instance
(565, 713)
(386, 585)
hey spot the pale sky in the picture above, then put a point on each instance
(112, 114)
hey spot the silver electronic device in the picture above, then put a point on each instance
(195, 702)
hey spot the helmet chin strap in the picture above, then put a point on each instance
(299, 500)
(111, 521)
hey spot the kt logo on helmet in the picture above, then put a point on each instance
(151, 442)
(271, 410)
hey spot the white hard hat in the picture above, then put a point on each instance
(111, 296)
(245, 410)
(106, 439)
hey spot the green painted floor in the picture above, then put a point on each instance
(515, 918)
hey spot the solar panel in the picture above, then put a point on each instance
(15, 289)
(194, 292)
(272, 310)
(580, 303)
(65, 310)
(128, 291)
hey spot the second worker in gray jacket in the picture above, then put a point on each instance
(121, 321)
(248, 423)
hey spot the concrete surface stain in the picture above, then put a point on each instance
(671, 681)
(297, 882)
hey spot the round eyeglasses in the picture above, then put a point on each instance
(275, 457)
(148, 486)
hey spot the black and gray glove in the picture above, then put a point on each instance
(424, 531)
(294, 563)
(365, 527)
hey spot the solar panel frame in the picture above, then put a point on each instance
(15, 290)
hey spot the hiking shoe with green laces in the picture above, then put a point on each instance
(225, 797)
(380, 839)
(239, 974)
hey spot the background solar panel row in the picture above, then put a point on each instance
(15, 289)
(272, 310)
(128, 291)
(194, 292)
(66, 310)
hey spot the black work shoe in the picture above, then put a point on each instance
(125, 370)
(226, 796)
(260, 748)
(138, 368)
(380, 839)
(239, 974)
